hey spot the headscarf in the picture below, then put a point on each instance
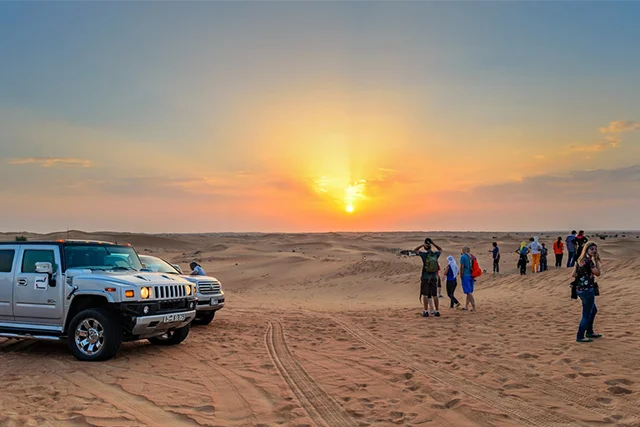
(452, 265)
(535, 239)
(522, 245)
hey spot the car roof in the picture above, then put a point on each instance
(62, 243)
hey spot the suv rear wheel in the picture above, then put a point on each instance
(94, 334)
(173, 337)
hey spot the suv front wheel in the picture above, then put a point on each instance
(205, 318)
(173, 337)
(94, 335)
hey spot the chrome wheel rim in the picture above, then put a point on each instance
(89, 336)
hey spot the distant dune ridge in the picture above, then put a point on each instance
(325, 329)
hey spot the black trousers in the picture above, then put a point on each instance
(523, 266)
(559, 260)
(451, 288)
(496, 266)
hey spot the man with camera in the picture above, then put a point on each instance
(429, 276)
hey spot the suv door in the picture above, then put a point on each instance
(7, 270)
(37, 302)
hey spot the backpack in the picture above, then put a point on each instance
(476, 271)
(430, 263)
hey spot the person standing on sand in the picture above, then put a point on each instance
(544, 252)
(495, 253)
(535, 249)
(451, 274)
(581, 240)
(429, 276)
(587, 270)
(558, 250)
(196, 270)
(466, 278)
(571, 249)
(523, 260)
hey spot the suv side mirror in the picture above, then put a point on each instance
(46, 268)
(177, 267)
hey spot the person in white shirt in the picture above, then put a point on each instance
(535, 248)
(196, 270)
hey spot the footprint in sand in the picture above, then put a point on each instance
(528, 356)
(619, 390)
(450, 404)
(623, 381)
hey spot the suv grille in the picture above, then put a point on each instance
(209, 288)
(169, 291)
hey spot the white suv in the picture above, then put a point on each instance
(91, 294)
(209, 290)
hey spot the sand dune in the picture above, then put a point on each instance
(325, 329)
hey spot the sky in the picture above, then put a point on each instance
(319, 116)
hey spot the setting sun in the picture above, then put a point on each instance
(350, 208)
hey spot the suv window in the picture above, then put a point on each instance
(6, 260)
(32, 256)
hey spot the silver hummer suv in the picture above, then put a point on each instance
(92, 294)
(209, 290)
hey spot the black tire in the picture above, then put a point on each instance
(205, 318)
(99, 324)
(173, 337)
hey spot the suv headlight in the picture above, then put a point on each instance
(145, 292)
(187, 289)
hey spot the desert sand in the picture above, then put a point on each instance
(325, 329)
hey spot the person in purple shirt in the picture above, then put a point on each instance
(571, 249)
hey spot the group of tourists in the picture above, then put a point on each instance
(575, 242)
(581, 253)
(431, 284)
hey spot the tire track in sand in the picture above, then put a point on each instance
(144, 411)
(525, 413)
(323, 410)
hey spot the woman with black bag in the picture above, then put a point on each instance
(587, 269)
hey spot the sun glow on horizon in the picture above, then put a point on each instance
(341, 192)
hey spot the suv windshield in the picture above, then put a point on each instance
(158, 265)
(101, 257)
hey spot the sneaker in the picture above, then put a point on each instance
(437, 314)
(584, 340)
(425, 313)
(458, 305)
(594, 335)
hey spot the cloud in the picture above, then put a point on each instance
(593, 148)
(572, 189)
(613, 140)
(621, 126)
(48, 162)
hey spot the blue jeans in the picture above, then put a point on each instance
(589, 311)
(571, 259)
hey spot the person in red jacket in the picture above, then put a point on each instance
(581, 240)
(558, 250)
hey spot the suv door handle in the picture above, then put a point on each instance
(22, 281)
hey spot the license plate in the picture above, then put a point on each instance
(170, 318)
(214, 301)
